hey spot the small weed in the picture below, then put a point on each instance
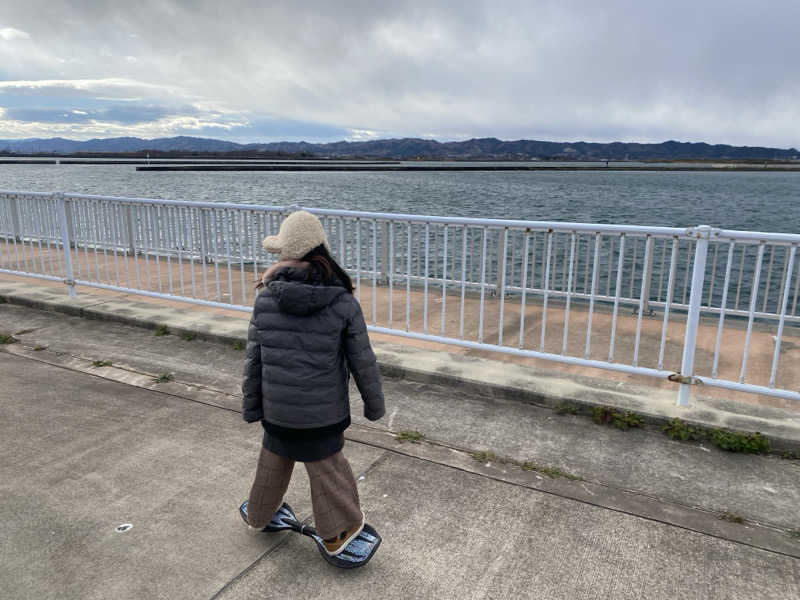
(189, 336)
(408, 435)
(626, 420)
(238, 346)
(24, 331)
(161, 330)
(552, 472)
(601, 414)
(732, 441)
(101, 363)
(789, 455)
(487, 456)
(163, 378)
(567, 408)
(39, 348)
(732, 517)
(7, 338)
(677, 429)
(606, 415)
(484, 456)
(795, 533)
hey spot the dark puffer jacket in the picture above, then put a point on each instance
(303, 338)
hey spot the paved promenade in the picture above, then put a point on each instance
(88, 447)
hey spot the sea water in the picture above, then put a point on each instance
(768, 201)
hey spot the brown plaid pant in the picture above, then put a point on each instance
(334, 495)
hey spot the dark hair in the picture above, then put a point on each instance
(325, 268)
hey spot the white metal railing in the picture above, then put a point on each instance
(576, 293)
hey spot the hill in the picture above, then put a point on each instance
(408, 149)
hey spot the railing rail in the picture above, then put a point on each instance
(552, 290)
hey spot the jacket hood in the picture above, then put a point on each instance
(296, 297)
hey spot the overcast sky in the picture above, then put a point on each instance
(721, 71)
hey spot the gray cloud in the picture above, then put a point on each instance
(125, 114)
(110, 87)
(718, 71)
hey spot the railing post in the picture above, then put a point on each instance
(647, 274)
(501, 252)
(66, 238)
(129, 224)
(201, 218)
(15, 219)
(703, 233)
(70, 223)
(385, 251)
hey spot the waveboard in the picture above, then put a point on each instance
(356, 554)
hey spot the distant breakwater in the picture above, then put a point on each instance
(175, 162)
(397, 167)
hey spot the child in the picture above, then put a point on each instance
(306, 335)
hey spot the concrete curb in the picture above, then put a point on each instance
(481, 376)
(691, 518)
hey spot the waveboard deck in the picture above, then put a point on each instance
(356, 554)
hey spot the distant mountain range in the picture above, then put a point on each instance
(407, 149)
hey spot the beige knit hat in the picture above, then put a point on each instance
(300, 233)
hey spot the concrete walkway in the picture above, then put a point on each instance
(87, 448)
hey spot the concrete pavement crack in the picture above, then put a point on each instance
(95, 304)
(382, 458)
(254, 564)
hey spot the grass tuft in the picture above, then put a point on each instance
(7, 338)
(161, 330)
(408, 435)
(101, 363)
(725, 439)
(487, 456)
(677, 429)
(163, 378)
(39, 348)
(732, 517)
(188, 336)
(552, 472)
(733, 441)
(567, 408)
(605, 415)
(238, 346)
(484, 456)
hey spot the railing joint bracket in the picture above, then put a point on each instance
(685, 379)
